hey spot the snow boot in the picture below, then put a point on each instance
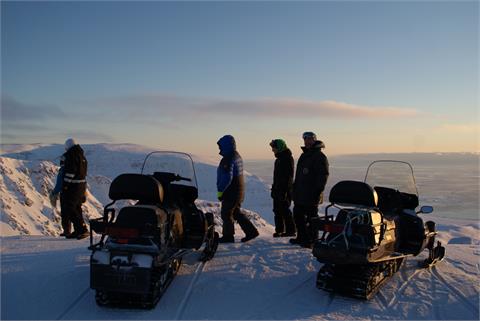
(83, 235)
(294, 241)
(249, 237)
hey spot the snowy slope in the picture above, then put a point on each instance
(28, 172)
(264, 279)
(24, 204)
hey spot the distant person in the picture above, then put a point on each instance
(54, 196)
(310, 179)
(231, 192)
(74, 188)
(282, 189)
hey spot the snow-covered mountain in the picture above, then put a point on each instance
(28, 173)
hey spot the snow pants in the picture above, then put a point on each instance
(71, 199)
(65, 217)
(230, 212)
(283, 217)
(303, 214)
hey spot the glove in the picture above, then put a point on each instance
(220, 195)
(53, 197)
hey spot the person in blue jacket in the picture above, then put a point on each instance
(231, 191)
(54, 196)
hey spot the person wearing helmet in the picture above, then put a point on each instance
(310, 179)
(231, 191)
(282, 189)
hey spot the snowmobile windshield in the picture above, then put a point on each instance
(174, 166)
(392, 174)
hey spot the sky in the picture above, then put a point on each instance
(365, 76)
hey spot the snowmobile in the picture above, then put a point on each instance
(141, 248)
(369, 228)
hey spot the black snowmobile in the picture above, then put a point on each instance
(141, 248)
(374, 229)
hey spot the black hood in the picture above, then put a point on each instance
(317, 145)
(283, 153)
(75, 149)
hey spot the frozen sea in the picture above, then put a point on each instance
(449, 182)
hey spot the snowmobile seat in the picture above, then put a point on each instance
(144, 188)
(138, 221)
(353, 193)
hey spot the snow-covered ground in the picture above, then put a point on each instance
(47, 277)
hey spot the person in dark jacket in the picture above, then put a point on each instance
(282, 189)
(231, 191)
(74, 188)
(310, 180)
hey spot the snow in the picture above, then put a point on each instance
(263, 279)
(44, 277)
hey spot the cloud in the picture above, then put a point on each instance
(461, 128)
(270, 107)
(151, 107)
(16, 111)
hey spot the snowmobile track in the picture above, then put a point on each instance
(381, 300)
(274, 301)
(183, 304)
(73, 304)
(393, 300)
(454, 291)
(331, 297)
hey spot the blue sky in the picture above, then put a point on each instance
(365, 76)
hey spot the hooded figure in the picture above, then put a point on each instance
(282, 189)
(231, 191)
(73, 189)
(310, 179)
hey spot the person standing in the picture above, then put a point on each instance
(231, 192)
(74, 188)
(310, 179)
(282, 189)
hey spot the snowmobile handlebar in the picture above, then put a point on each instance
(167, 177)
(181, 178)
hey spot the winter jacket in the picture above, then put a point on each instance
(283, 176)
(311, 176)
(75, 172)
(230, 179)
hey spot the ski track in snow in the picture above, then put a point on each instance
(72, 305)
(183, 304)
